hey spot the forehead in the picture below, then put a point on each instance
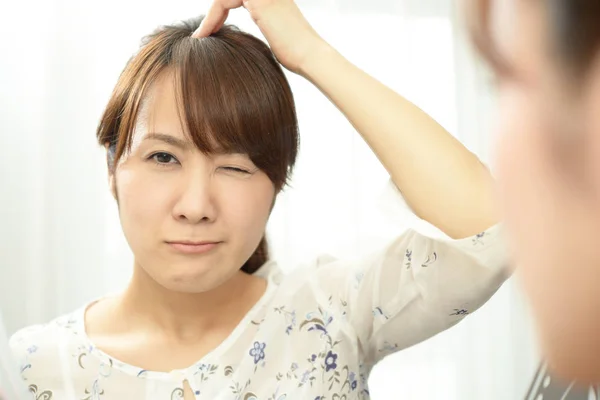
(160, 118)
(159, 111)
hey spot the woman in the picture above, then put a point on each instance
(545, 54)
(201, 135)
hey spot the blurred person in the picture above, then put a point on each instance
(545, 55)
(201, 135)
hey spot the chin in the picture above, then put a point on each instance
(196, 281)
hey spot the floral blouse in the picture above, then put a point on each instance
(315, 334)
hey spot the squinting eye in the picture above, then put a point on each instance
(236, 170)
(163, 158)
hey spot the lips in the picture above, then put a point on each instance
(193, 247)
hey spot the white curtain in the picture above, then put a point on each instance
(60, 241)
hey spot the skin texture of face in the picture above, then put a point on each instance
(169, 191)
(547, 159)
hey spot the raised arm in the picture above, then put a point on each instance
(440, 179)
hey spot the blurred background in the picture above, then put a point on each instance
(61, 243)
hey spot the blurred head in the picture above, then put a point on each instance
(201, 136)
(545, 54)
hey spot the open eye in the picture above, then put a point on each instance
(163, 158)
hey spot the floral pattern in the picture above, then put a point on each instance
(290, 318)
(40, 394)
(258, 352)
(310, 342)
(478, 239)
(408, 259)
(330, 360)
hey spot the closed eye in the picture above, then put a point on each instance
(236, 170)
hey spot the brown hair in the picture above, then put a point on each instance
(574, 30)
(232, 93)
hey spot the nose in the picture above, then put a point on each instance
(195, 203)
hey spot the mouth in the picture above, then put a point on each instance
(192, 247)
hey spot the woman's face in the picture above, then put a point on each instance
(170, 194)
(547, 151)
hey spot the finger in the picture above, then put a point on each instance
(219, 25)
(213, 21)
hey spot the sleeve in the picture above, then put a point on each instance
(24, 345)
(49, 356)
(11, 383)
(416, 287)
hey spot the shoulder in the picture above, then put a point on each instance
(39, 346)
(67, 323)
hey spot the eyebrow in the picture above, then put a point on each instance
(171, 140)
(186, 144)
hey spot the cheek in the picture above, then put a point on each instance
(247, 207)
(523, 178)
(141, 199)
(544, 209)
(514, 146)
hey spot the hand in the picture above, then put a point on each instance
(292, 39)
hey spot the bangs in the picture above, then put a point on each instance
(232, 97)
(227, 103)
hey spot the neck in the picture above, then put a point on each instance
(187, 316)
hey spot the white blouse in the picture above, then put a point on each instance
(315, 334)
